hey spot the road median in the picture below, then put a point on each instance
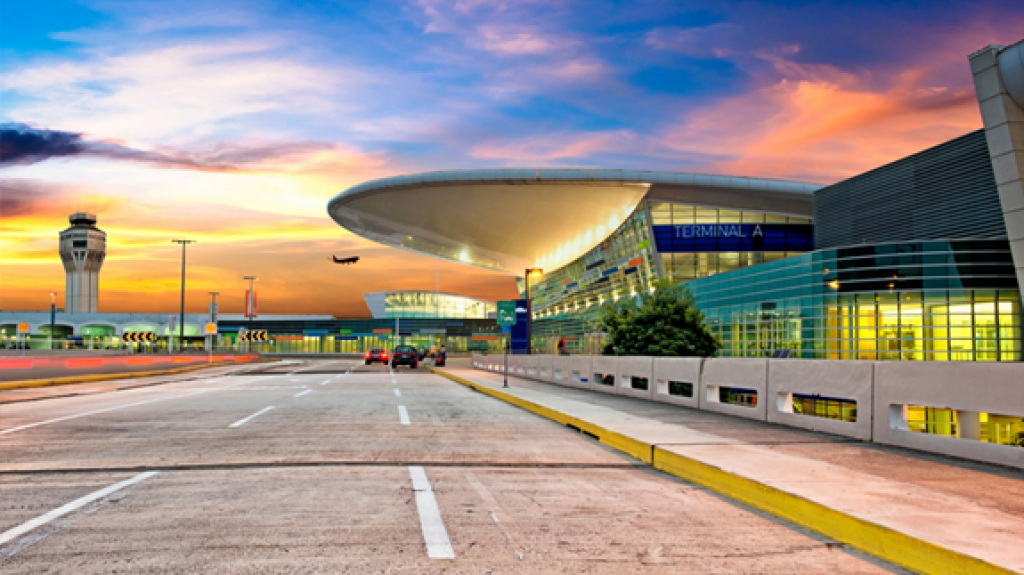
(92, 378)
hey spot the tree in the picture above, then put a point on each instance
(664, 323)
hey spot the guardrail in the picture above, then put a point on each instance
(968, 410)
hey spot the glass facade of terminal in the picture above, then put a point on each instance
(424, 304)
(681, 266)
(926, 301)
(680, 242)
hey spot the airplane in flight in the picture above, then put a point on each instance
(351, 260)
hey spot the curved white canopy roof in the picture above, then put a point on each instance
(505, 220)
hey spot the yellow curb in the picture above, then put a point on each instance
(883, 542)
(30, 383)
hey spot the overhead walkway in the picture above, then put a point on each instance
(929, 513)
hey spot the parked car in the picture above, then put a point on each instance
(405, 355)
(376, 354)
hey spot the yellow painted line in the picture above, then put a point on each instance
(30, 383)
(883, 542)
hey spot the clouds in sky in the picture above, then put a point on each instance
(237, 121)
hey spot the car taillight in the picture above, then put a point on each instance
(367, 355)
(385, 355)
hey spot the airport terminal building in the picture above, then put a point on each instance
(920, 259)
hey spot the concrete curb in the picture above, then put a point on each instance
(883, 542)
(30, 383)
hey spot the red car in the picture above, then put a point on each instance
(376, 354)
(405, 355)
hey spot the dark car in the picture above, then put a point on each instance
(405, 355)
(376, 354)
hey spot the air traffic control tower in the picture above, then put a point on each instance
(83, 247)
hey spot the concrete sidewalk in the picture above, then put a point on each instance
(928, 513)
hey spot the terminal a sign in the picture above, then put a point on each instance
(691, 238)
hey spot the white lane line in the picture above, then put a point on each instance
(434, 533)
(403, 415)
(398, 393)
(24, 528)
(325, 382)
(303, 393)
(242, 422)
(105, 410)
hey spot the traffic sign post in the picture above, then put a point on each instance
(23, 328)
(506, 314)
(210, 329)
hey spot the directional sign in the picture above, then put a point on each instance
(254, 335)
(139, 336)
(507, 312)
(210, 328)
(23, 327)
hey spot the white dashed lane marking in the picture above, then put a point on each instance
(403, 415)
(242, 422)
(434, 533)
(24, 528)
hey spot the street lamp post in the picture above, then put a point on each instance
(251, 303)
(530, 272)
(181, 332)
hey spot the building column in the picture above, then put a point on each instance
(999, 83)
(969, 423)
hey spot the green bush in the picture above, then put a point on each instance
(664, 323)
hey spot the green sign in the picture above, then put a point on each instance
(345, 331)
(507, 312)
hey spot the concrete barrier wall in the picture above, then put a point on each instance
(604, 366)
(681, 370)
(846, 380)
(636, 367)
(736, 373)
(882, 392)
(540, 366)
(968, 388)
(576, 369)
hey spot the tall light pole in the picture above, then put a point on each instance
(251, 304)
(53, 314)
(181, 333)
(530, 272)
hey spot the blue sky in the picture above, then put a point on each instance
(302, 99)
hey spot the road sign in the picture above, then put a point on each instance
(210, 328)
(23, 327)
(506, 312)
(139, 336)
(254, 335)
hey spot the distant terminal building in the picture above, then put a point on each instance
(918, 260)
(470, 327)
(83, 247)
(427, 304)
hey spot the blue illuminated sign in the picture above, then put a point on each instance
(694, 238)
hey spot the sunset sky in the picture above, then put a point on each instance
(233, 123)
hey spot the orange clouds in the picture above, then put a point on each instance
(822, 124)
(272, 226)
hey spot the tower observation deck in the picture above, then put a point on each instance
(83, 248)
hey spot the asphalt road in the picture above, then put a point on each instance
(340, 467)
